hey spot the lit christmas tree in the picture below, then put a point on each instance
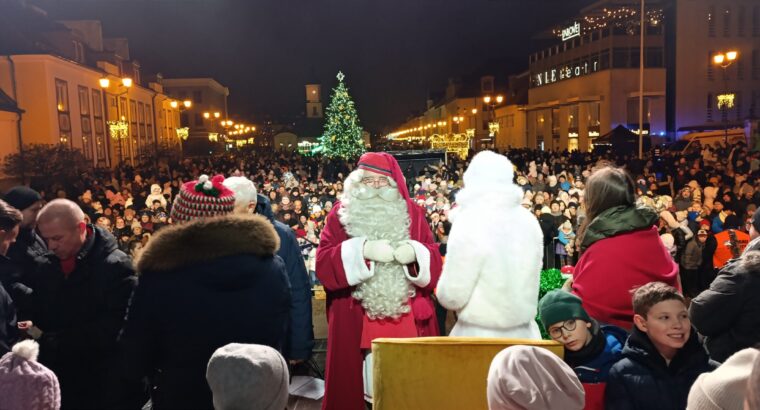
(342, 137)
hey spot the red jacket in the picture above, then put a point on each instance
(344, 382)
(611, 268)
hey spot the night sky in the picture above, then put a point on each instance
(393, 52)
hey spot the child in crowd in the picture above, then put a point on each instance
(565, 238)
(532, 378)
(662, 357)
(590, 348)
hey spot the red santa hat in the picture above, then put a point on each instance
(203, 198)
(375, 162)
(384, 164)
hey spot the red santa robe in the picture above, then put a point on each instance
(340, 267)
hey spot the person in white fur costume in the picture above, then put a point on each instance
(156, 194)
(493, 263)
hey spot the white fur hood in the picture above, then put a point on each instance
(493, 263)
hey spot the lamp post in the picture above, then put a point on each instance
(118, 129)
(726, 100)
(490, 104)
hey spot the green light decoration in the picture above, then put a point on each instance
(551, 279)
(342, 137)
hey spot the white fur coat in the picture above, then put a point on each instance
(493, 265)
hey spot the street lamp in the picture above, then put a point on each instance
(185, 104)
(490, 105)
(118, 129)
(726, 100)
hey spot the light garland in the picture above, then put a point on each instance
(726, 101)
(118, 129)
(183, 133)
(621, 17)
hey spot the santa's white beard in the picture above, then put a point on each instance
(386, 294)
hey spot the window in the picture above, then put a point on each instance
(593, 116)
(84, 113)
(149, 121)
(654, 57)
(540, 125)
(727, 21)
(741, 20)
(711, 21)
(620, 58)
(99, 126)
(755, 21)
(709, 107)
(133, 117)
(604, 60)
(62, 106)
(740, 69)
(555, 122)
(633, 113)
(755, 64)
(754, 104)
(197, 97)
(710, 68)
(314, 111)
(184, 120)
(572, 118)
(634, 57)
(141, 121)
(198, 119)
(78, 52)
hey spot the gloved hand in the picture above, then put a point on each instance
(404, 254)
(378, 251)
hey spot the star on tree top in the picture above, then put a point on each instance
(340, 76)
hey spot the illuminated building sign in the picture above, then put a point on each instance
(571, 32)
(565, 73)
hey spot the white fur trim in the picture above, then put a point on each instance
(423, 260)
(351, 253)
(28, 349)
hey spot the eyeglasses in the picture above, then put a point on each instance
(568, 325)
(379, 181)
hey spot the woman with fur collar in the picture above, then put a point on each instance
(210, 280)
(493, 265)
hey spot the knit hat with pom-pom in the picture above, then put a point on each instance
(26, 384)
(203, 198)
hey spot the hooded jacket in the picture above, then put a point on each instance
(203, 284)
(728, 313)
(300, 340)
(156, 194)
(622, 251)
(493, 266)
(643, 381)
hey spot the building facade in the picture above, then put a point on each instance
(703, 29)
(587, 83)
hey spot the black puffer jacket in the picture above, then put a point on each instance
(81, 315)
(203, 284)
(728, 313)
(643, 381)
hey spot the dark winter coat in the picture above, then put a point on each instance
(8, 330)
(592, 363)
(81, 315)
(728, 313)
(301, 333)
(203, 284)
(21, 255)
(643, 381)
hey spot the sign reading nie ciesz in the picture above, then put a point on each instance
(572, 31)
(564, 73)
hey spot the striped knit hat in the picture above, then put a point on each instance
(203, 198)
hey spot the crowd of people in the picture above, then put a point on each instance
(165, 282)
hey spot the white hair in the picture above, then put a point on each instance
(387, 293)
(244, 189)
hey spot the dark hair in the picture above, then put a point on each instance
(10, 217)
(651, 294)
(606, 188)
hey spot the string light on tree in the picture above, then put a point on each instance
(342, 137)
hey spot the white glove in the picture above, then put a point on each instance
(404, 254)
(378, 251)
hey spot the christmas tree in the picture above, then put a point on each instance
(342, 137)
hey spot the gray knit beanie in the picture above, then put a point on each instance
(248, 377)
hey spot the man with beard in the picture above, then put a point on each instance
(379, 264)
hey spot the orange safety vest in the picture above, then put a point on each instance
(727, 249)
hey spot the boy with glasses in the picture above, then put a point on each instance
(590, 348)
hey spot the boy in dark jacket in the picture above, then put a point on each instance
(590, 348)
(662, 357)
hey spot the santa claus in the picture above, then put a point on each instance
(379, 265)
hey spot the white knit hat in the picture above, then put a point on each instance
(724, 388)
(248, 376)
